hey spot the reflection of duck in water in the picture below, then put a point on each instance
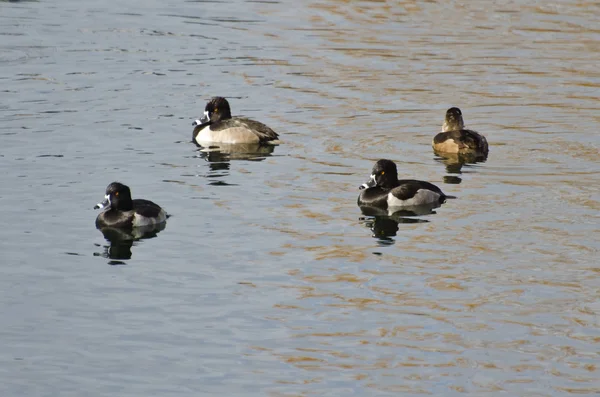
(401, 214)
(219, 157)
(385, 225)
(217, 126)
(124, 220)
(218, 153)
(454, 163)
(121, 240)
(455, 139)
(385, 191)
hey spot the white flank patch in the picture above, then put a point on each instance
(204, 135)
(231, 135)
(423, 196)
(139, 220)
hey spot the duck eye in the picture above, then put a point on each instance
(216, 110)
(382, 172)
(116, 193)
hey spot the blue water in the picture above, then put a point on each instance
(267, 279)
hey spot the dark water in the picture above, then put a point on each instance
(267, 279)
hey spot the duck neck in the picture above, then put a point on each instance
(452, 125)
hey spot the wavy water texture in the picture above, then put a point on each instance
(268, 279)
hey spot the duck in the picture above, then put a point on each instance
(217, 126)
(454, 138)
(384, 190)
(120, 211)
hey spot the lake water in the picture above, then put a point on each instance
(268, 279)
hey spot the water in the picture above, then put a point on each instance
(267, 279)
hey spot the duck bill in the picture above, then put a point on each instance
(104, 204)
(205, 118)
(370, 183)
(202, 120)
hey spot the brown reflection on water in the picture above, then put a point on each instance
(498, 291)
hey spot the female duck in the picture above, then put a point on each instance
(123, 212)
(384, 190)
(218, 126)
(455, 139)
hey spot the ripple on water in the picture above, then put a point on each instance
(268, 272)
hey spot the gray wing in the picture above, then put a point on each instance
(475, 141)
(263, 132)
(465, 139)
(146, 208)
(409, 187)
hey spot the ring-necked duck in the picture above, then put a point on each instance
(122, 211)
(384, 190)
(218, 126)
(455, 139)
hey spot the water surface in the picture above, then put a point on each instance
(268, 279)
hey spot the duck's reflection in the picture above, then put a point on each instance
(220, 155)
(454, 163)
(121, 241)
(223, 153)
(385, 223)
